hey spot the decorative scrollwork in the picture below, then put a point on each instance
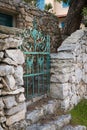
(34, 40)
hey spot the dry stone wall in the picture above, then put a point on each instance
(12, 99)
(24, 15)
(69, 70)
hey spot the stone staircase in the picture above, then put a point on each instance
(45, 115)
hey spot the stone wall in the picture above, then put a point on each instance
(24, 15)
(69, 70)
(12, 99)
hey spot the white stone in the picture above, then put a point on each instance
(78, 75)
(19, 75)
(2, 119)
(16, 55)
(1, 104)
(1, 86)
(60, 78)
(62, 120)
(68, 47)
(9, 101)
(20, 98)
(9, 61)
(65, 104)
(63, 56)
(10, 43)
(6, 70)
(51, 107)
(1, 55)
(1, 128)
(59, 91)
(19, 90)
(16, 109)
(35, 115)
(10, 82)
(15, 118)
(48, 127)
(1, 113)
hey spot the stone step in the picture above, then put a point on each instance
(41, 108)
(79, 127)
(57, 124)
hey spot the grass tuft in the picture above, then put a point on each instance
(79, 114)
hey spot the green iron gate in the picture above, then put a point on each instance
(37, 66)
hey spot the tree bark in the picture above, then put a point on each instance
(74, 16)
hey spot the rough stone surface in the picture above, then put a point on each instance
(68, 70)
(74, 128)
(16, 55)
(6, 70)
(9, 43)
(35, 116)
(15, 109)
(9, 79)
(1, 128)
(15, 118)
(12, 99)
(1, 104)
(9, 102)
(18, 75)
(24, 16)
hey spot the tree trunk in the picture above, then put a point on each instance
(74, 16)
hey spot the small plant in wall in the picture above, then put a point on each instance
(48, 7)
(84, 13)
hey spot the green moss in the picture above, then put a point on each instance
(79, 114)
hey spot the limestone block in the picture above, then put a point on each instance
(84, 57)
(85, 67)
(1, 55)
(1, 104)
(16, 55)
(2, 119)
(66, 47)
(60, 78)
(3, 36)
(65, 104)
(19, 75)
(15, 109)
(59, 91)
(1, 86)
(63, 56)
(79, 127)
(9, 101)
(9, 61)
(78, 75)
(19, 90)
(6, 70)
(1, 128)
(35, 115)
(9, 79)
(48, 127)
(1, 113)
(51, 107)
(62, 120)
(15, 118)
(20, 98)
(10, 42)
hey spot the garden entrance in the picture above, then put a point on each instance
(37, 65)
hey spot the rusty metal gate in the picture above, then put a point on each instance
(36, 48)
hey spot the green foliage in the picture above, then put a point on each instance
(84, 11)
(48, 6)
(32, 2)
(79, 113)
